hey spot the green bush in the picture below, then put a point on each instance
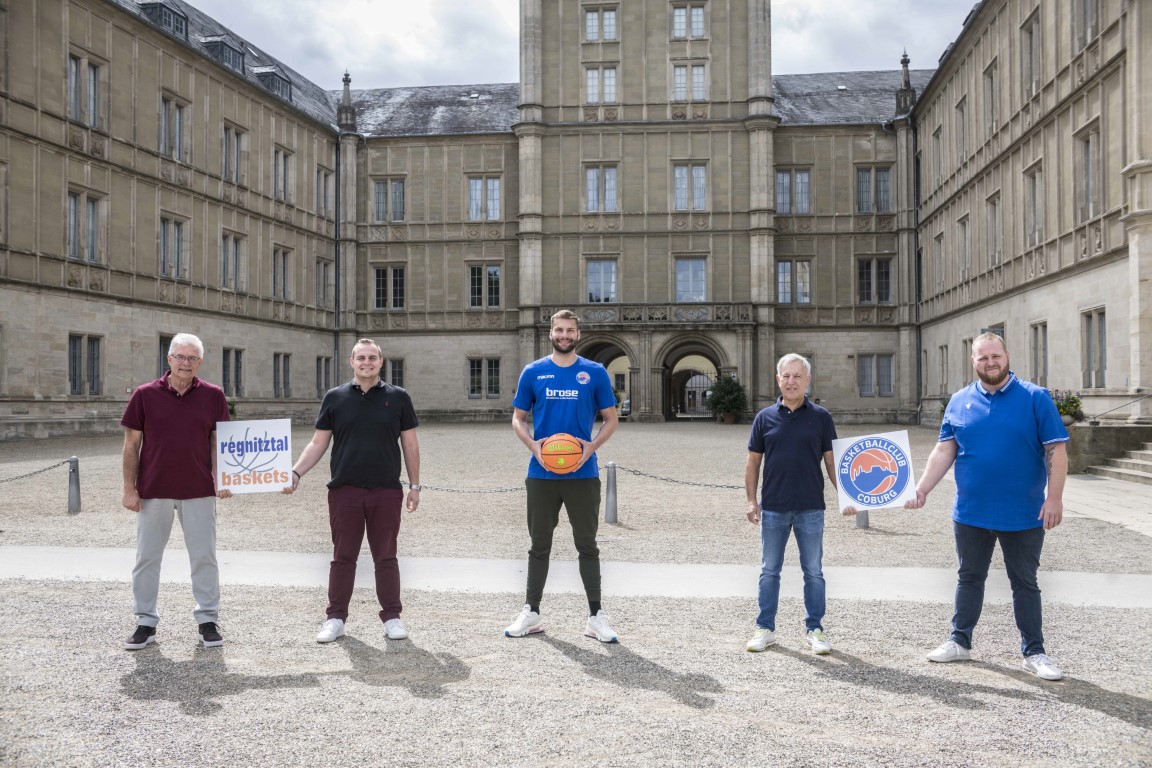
(727, 396)
(1067, 403)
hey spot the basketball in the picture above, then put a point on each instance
(561, 453)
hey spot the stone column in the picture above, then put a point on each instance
(1138, 183)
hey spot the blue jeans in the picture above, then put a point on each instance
(774, 529)
(1021, 550)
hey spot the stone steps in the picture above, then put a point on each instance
(1135, 467)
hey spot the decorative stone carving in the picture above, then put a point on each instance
(723, 312)
(225, 302)
(74, 277)
(700, 222)
(165, 291)
(75, 138)
(99, 145)
(472, 232)
(680, 222)
(1099, 241)
(181, 294)
(804, 225)
(493, 231)
(886, 223)
(784, 317)
(378, 233)
(612, 224)
(887, 315)
(591, 114)
(659, 314)
(399, 234)
(398, 321)
(472, 321)
(632, 315)
(96, 282)
(494, 321)
(379, 322)
(227, 193)
(166, 171)
(863, 223)
(1083, 245)
(239, 304)
(783, 225)
(601, 315)
(182, 177)
(863, 316)
(1080, 72)
(692, 314)
(679, 113)
(611, 114)
(275, 311)
(590, 224)
(700, 112)
(806, 317)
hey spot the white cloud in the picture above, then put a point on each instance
(450, 42)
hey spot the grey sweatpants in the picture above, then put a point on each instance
(153, 528)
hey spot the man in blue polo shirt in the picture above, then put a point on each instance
(1007, 442)
(791, 439)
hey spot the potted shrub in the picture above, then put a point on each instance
(727, 398)
(1068, 404)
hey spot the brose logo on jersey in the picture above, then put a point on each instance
(561, 394)
(873, 471)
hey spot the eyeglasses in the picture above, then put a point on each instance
(185, 358)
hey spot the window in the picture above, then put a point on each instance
(162, 361)
(393, 372)
(991, 98)
(276, 83)
(873, 190)
(233, 265)
(85, 237)
(995, 223)
(691, 281)
(690, 196)
(323, 376)
(938, 156)
(874, 281)
(1030, 53)
(282, 168)
(792, 191)
(389, 199)
(389, 287)
(173, 22)
(1094, 348)
(963, 249)
(1033, 206)
(680, 82)
(600, 24)
(484, 286)
(323, 192)
(600, 189)
(793, 281)
(232, 372)
(233, 152)
(483, 198)
(1083, 23)
(600, 85)
(601, 280)
(325, 269)
(227, 55)
(281, 271)
(1087, 166)
(173, 258)
(84, 365)
(688, 21)
(874, 375)
(281, 374)
(483, 377)
(944, 370)
(1040, 354)
(85, 90)
(173, 123)
(938, 259)
(962, 130)
(966, 368)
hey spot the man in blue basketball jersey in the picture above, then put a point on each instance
(791, 439)
(563, 392)
(1007, 441)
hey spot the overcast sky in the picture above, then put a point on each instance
(391, 43)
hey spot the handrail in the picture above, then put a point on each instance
(1095, 420)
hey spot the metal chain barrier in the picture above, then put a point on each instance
(36, 472)
(679, 482)
(426, 487)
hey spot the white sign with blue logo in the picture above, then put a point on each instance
(254, 456)
(874, 471)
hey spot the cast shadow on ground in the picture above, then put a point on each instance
(1133, 710)
(623, 667)
(403, 664)
(198, 683)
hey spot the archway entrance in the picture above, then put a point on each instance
(615, 358)
(688, 387)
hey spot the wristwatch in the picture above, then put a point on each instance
(416, 487)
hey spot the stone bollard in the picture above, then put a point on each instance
(610, 495)
(74, 486)
(861, 518)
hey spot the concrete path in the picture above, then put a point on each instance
(1113, 501)
(474, 575)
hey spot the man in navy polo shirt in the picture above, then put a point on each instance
(369, 424)
(1007, 442)
(791, 439)
(169, 466)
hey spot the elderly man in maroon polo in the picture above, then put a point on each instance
(169, 470)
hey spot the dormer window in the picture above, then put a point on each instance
(226, 54)
(276, 83)
(167, 18)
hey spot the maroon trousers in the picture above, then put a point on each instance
(351, 512)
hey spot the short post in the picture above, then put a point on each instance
(74, 486)
(861, 518)
(610, 495)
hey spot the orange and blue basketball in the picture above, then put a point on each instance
(561, 453)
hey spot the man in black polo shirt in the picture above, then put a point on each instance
(790, 438)
(373, 423)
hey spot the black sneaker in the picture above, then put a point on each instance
(209, 635)
(140, 638)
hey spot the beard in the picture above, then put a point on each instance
(563, 346)
(993, 381)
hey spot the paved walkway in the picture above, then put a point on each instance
(442, 574)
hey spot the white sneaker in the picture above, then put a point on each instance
(395, 629)
(332, 629)
(761, 640)
(950, 650)
(819, 643)
(598, 628)
(527, 623)
(1043, 667)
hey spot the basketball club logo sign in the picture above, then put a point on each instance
(583, 377)
(874, 471)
